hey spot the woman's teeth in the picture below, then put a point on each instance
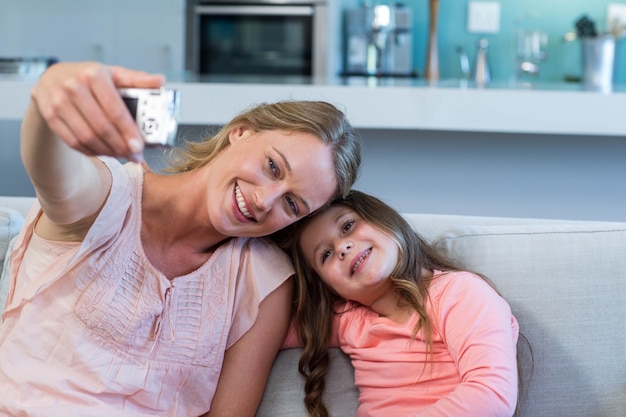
(241, 203)
(360, 260)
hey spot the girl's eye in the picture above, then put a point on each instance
(347, 226)
(292, 205)
(325, 255)
(273, 167)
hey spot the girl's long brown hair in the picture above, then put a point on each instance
(316, 303)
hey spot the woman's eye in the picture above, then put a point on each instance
(292, 205)
(273, 167)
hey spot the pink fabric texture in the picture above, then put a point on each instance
(93, 329)
(474, 370)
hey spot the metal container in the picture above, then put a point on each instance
(598, 55)
(379, 40)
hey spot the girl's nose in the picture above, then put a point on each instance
(344, 248)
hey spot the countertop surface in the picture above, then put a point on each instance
(394, 103)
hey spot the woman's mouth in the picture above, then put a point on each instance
(241, 203)
(359, 261)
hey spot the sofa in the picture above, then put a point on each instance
(565, 281)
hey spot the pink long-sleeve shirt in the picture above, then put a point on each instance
(473, 371)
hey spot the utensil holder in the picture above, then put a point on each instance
(598, 55)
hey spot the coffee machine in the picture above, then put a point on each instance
(379, 40)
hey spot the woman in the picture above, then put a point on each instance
(425, 337)
(141, 294)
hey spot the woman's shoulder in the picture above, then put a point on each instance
(127, 179)
(261, 257)
(262, 249)
(259, 267)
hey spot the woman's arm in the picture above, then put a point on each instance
(76, 113)
(248, 362)
(292, 340)
(293, 336)
(480, 334)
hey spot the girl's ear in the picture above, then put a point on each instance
(237, 133)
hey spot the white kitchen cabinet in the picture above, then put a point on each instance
(67, 29)
(142, 34)
(149, 35)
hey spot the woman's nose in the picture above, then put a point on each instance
(267, 195)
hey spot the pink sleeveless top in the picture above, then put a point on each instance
(93, 329)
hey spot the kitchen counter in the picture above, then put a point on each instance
(410, 104)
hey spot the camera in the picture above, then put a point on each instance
(156, 113)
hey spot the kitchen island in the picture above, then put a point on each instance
(408, 104)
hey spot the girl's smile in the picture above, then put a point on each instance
(359, 261)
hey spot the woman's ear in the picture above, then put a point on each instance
(237, 133)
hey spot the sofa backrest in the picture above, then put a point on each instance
(10, 224)
(566, 283)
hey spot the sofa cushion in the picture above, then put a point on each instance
(10, 223)
(285, 388)
(21, 204)
(5, 281)
(566, 284)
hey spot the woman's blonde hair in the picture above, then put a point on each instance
(318, 118)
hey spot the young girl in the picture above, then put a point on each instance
(425, 337)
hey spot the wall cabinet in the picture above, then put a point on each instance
(141, 34)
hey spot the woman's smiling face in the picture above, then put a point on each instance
(351, 256)
(267, 180)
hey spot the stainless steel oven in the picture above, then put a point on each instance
(256, 38)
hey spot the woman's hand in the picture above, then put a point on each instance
(76, 113)
(81, 105)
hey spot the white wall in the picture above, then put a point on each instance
(13, 178)
(491, 174)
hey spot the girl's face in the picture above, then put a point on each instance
(267, 180)
(350, 255)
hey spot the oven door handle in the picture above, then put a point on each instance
(256, 10)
